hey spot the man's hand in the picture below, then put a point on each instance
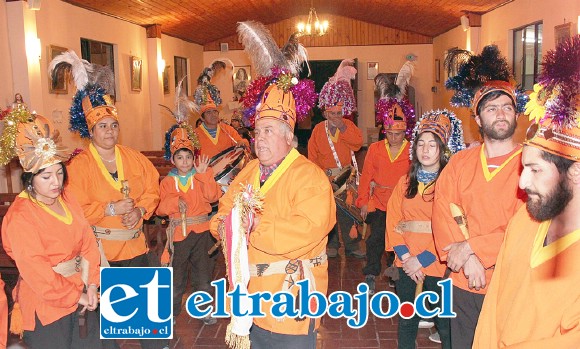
(458, 253)
(124, 206)
(418, 277)
(475, 273)
(364, 210)
(182, 205)
(411, 265)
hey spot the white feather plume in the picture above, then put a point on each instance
(183, 105)
(404, 77)
(261, 47)
(80, 68)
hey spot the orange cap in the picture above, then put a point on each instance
(492, 86)
(277, 104)
(95, 114)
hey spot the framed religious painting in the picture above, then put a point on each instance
(136, 73)
(58, 85)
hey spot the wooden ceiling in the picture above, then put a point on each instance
(207, 21)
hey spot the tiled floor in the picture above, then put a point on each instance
(344, 274)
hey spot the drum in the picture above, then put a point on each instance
(344, 185)
(227, 164)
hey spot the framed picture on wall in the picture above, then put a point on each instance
(437, 70)
(562, 32)
(136, 73)
(372, 70)
(60, 84)
(166, 80)
(241, 76)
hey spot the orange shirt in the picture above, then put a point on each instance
(200, 191)
(319, 150)
(385, 169)
(418, 208)
(299, 211)
(223, 139)
(39, 239)
(533, 301)
(489, 200)
(93, 187)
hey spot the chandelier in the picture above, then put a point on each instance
(313, 26)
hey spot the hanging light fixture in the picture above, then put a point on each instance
(313, 26)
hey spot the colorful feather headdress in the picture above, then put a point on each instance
(393, 108)
(95, 84)
(279, 67)
(554, 106)
(445, 125)
(478, 75)
(181, 135)
(337, 91)
(207, 95)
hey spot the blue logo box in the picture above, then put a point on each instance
(136, 303)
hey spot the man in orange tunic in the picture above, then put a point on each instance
(332, 146)
(534, 300)
(214, 136)
(481, 181)
(386, 161)
(298, 212)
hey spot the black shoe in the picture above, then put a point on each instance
(331, 252)
(356, 254)
(370, 281)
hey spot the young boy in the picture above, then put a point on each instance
(187, 193)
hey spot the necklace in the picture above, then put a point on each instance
(109, 161)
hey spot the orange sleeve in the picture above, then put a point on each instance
(313, 215)
(314, 146)
(395, 215)
(168, 204)
(32, 261)
(210, 190)
(352, 136)
(445, 229)
(90, 249)
(235, 135)
(368, 173)
(149, 198)
(3, 317)
(486, 247)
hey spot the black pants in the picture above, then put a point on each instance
(467, 305)
(376, 244)
(64, 333)
(407, 333)
(139, 261)
(263, 339)
(191, 251)
(344, 223)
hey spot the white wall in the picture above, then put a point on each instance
(390, 58)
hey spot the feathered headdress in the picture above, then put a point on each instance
(207, 95)
(33, 139)
(554, 106)
(92, 101)
(337, 91)
(478, 75)
(181, 135)
(275, 66)
(445, 125)
(393, 108)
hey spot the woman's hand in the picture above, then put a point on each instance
(131, 218)
(123, 206)
(182, 205)
(411, 265)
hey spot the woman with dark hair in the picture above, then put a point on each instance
(53, 245)
(409, 234)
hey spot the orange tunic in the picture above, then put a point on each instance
(299, 211)
(418, 208)
(489, 200)
(205, 191)
(94, 188)
(319, 150)
(223, 140)
(385, 169)
(39, 239)
(533, 301)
